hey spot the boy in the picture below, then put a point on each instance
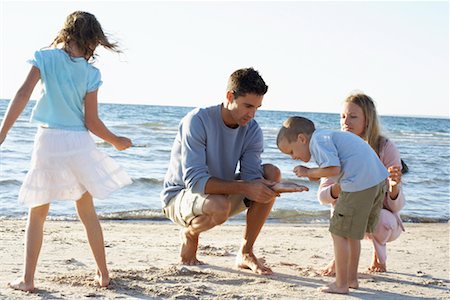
(349, 160)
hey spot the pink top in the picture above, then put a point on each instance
(389, 156)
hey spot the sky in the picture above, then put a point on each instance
(312, 55)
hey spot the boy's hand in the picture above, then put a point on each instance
(122, 143)
(301, 171)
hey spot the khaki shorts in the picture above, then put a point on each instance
(357, 212)
(185, 206)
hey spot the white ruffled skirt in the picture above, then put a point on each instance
(65, 164)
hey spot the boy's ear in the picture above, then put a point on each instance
(302, 138)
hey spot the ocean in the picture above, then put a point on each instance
(424, 144)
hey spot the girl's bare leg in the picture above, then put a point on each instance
(88, 216)
(33, 242)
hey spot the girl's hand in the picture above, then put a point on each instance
(2, 138)
(301, 171)
(122, 143)
(396, 175)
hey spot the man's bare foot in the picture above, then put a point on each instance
(188, 250)
(330, 269)
(102, 281)
(249, 261)
(20, 285)
(333, 289)
(377, 267)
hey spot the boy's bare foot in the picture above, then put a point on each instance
(333, 289)
(353, 284)
(20, 285)
(103, 281)
(377, 267)
(330, 269)
(250, 261)
(188, 250)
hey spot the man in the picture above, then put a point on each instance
(201, 187)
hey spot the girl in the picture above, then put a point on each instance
(66, 165)
(359, 116)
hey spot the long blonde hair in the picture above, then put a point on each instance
(372, 133)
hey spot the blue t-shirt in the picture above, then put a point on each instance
(205, 147)
(65, 82)
(360, 166)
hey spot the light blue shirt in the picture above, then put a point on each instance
(360, 166)
(65, 82)
(205, 147)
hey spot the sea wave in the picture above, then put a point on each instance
(10, 182)
(145, 180)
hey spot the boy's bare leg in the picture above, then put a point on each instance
(341, 256)
(216, 210)
(355, 251)
(33, 243)
(88, 216)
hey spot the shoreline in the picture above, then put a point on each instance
(281, 216)
(143, 261)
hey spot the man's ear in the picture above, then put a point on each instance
(230, 96)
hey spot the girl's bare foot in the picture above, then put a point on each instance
(189, 245)
(250, 261)
(103, 281)
(20, 285)
(333, 289)
(330, 269)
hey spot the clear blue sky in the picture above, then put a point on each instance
(311, 54)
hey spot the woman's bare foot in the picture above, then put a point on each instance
(330, 269)
(377, 267)
(188, 250)
(333, 289)
(103, 281)
(20, 285)
(250, 261)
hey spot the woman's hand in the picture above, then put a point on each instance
(395, 176)
(394, 179)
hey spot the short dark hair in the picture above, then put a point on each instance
(246, 81)
(293, 126)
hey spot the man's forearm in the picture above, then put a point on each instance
(219, 186)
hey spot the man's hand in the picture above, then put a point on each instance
(260, 191)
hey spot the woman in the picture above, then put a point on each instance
(359, 116)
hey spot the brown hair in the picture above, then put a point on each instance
(85, 31)
(293, 126)
(372, 132)
(246, 81)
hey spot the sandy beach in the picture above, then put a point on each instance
(142, 259)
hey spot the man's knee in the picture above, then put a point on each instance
(218, 207)
(272, 172)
